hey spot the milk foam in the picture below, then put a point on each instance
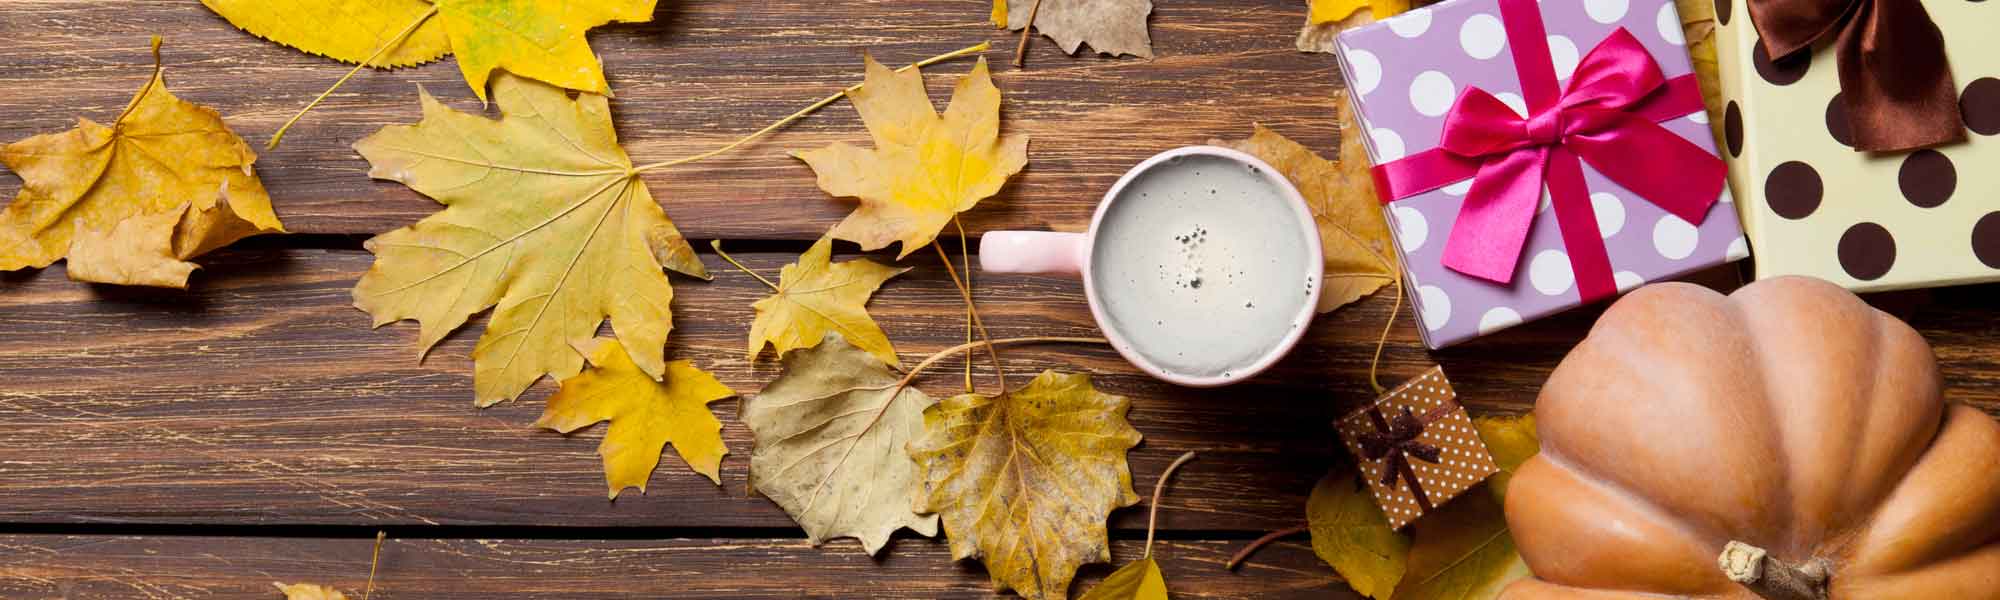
(1201, 265)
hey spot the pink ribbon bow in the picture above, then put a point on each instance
(1607, 116)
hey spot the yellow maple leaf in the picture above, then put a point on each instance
(831, 433)
(924, 168)
(309, 591)
(645, 415)
(1024, 481)
(544, 217)
(539, 39)
(1351, 535)
(1353, 236)
(815, 296)
(1321, 12)
(171, 164)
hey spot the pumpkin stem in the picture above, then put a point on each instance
(1771, 578)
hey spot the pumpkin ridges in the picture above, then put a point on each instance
(1609, 538)
(1949, 494)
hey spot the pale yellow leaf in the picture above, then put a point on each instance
(815, 297)
(1512, 441)
(1113, 27)
(309, 591)
(1351, 535)
(645, 415)
(1354, 237)
(544, 218)
(538, 39)
(831, 435)
(925, 168)
(1139, 580)
(1025, 481)
(173, 163)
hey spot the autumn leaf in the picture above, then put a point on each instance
(1698, 28)
(924, 169)
(131, 202)
(309, 591)
(1327, 18)
(831, 433)
(1140, 579)
(544, 217)
(1463, 551)
(1025, 481)
(645, 415)
(538, 39)
(1351, 535)
(1113, 27)
(814, 297)
(1354, 237)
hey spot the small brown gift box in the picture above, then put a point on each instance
(1417, 447)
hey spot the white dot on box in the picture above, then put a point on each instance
(1411, 24)
(1669, 23)
(1496, 319)
(1610, 213)
(1606, 11)
(1388, 145)
(1412, 229)
(1437, 306)
(1563, 53)
(1550, 273)
(1675, 238)
(1627, 280)
(1432, 93)
(1367, 70)
(1482, 36)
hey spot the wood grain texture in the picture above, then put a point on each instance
(44, 567)
(704, 73)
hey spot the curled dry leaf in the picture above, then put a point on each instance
(816, 297)
(1113, 27)
(1327, 18)
(1351, 535)
(544, 217)
(645, 415)
(830, 435)
(129, 203)
(309, 591)
(537, 39)
(1341, 195)
(1025, 481)
(1698, 26)
(924, 168)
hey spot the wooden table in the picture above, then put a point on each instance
(204, 444)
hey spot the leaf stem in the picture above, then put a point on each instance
(965, 258)
(158, 67)
(1396, 277)
(717, 245)
(802, 113)
(380, 536)
(1244, 554)
(1153, 511)
(384, 49)
(999, 372)
(1021, 51)
(954, 350)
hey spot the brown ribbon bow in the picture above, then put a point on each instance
(1395, 440)
(1893, 75)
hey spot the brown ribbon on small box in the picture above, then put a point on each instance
(1398, 439)
(1893, 73)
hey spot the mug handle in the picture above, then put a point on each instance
(1039, 252)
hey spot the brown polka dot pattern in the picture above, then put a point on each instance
(1867, 251)
(1927, 178)
(1722, 12)
(1837, 123)
(1981, 105)
(1732, 128)
(1986, 240)
(1793, 190)
(1786, 71)
(1463, 460)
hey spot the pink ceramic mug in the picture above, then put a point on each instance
(1072, 254)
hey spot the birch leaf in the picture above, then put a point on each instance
(831, 433)
(1359, 260)
(645, 415)
(173, 165)
(1112, 27)
(309, 591)
(924, 168)
(816, 297)
(544, 218)
(538, 39)
(1025, 481)
(1351, 535)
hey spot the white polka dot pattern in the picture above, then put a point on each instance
(1482, 36)
(1463, 460)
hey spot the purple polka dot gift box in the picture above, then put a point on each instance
(1537, 156)
(1875, 181)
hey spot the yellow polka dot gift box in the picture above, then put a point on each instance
(1867, 152)
(1535, 156)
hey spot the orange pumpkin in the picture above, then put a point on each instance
(1789, 417)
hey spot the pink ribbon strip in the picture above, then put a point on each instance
(1608, 116)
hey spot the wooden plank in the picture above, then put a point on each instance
(47, 567)
(701, 75)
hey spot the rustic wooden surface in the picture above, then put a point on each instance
(205, 443)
